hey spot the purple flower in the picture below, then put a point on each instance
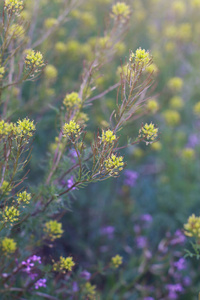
(146, 218)
(33, 275)
(28, 264)
(130, 178)
(148, 298)
(186, 281)
(73, 155)
(75, 287)
(180, 264)
(178, 238)
(40, 283)
(193, 140)
(36, 258)
(86, 275)
(174, 287)
(70, 183)
(108, 230)
(141, 241)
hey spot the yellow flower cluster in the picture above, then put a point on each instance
(71, 128)
(141, 57)
(23, 197)
(108, 136)
(116, 261)
(53, 229)
(34, 59)
(188, 154)
(10, 214)
(25, 127)
(192, 228)
(157, 146)
(196, 109)
(8, 246)
(176, 102)
(149, 131)
(175, 84)
(114, 164)
(90, 291)
(172, 117)
(121, 11)
(2, 72)
(14, 5)
(50, 72)
(50, 22)
(16, 31)
(5, 187)
(64, 264)
(72, 100)
(152, 106)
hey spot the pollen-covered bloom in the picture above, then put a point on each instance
(116, 261)
(14, 5)
(64, 264)
(141, 57)
(108, 136)
(71, 128)
(121, 11)
(114, 164)
(148, 131)
(10, 214)
(53, 229)
(34, 60)
(23, 197)
(8, 246)
(192, 227)
(25, 127)
(72, 100)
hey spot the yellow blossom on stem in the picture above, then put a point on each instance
(192, 227)
(148, 131)
(116, 261)
(141, 57)
(72, 100)
(71, 128)
(8, 245)
(108, 136)
(64, 264)
(34, 59)
(53, 229)
(23, 197)
(90, 290)
(15, 6)
(114, 164)
(10, 214)
(121, 11)
(2, 72)
(5, 187)
(25, 127)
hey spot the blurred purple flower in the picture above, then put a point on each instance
(32, 275)
(36, 258)
(108, 230)
(70, 183)
(175, 287)
(130, 178)
(178, 238)
(28, 264)
(148, 298)
(73, 155)
(146, 218)
(193, 140)
(141, 241)
(75, 287)
(180, 264)
(40, 283)
(86, 275)
(137, 229)
(186, 281)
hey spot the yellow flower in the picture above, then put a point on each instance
(195, 3)
(179, 7)
(10, 214)
(50, 72)
(8, 245)
(157, 146)
(25, 127)
(121, 11)
(149, 132)
(152, 106)
(116, 261)
(23, 197)
(16, 31)
(60, 47)
(172, 117)
(176, 102)
(108, 136)
(196, 109)
(184, 32)
(53, 229)
(89, 291)
(188, 154)
(34, 59)
(15, 6)
(175, 84)
(6, 128)
(192, 228)
(2, 72)
(71, 128)
(72, 100)
(5, 188)
(141, 57)
(152, 68)
(64, 264)
(50, 22)
(114, 164)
